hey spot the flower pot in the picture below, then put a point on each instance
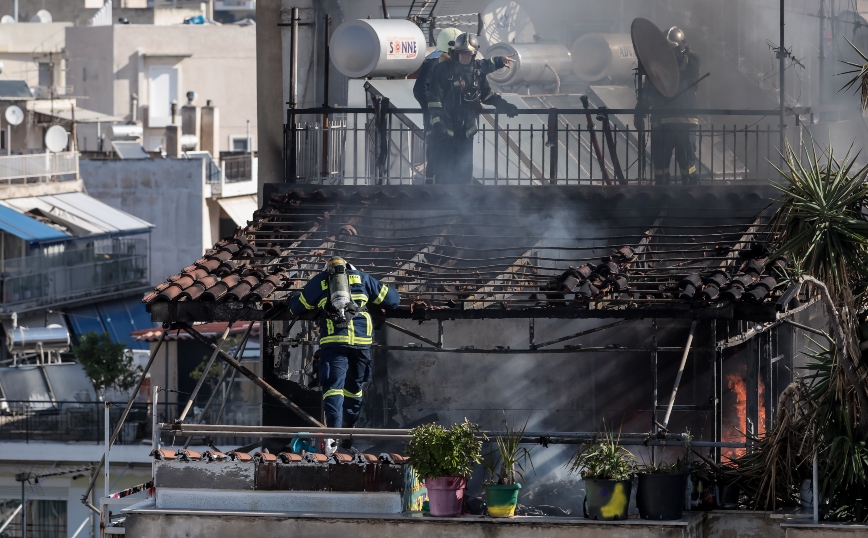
(661, 496)
(501, 499)
(607, 499)
(446, 495)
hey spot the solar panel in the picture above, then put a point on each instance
(130, 150)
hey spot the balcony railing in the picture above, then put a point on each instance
(38, 168)
(539, 147)
(68, 421)
(77, 272)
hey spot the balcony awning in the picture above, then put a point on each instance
(28, 229)
(81, 213)
(70, 113)
(239, 208)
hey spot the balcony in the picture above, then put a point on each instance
(97, 269)
(236, 177)
(38, 168)
(542, 146)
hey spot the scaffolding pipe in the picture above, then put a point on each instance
(680, 373)
(239, 350)
(205, 372)
(258, 381)
(84, 497)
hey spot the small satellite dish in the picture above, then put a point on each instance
(41, 16)
(14, 115)
(56, 139)
(7, 19)
(504, 21)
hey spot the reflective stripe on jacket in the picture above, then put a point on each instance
(365, 290)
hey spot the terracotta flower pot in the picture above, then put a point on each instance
(446, 495)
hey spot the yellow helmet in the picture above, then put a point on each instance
(446, 38)
(335, 261)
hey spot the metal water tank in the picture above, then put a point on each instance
(535, 63)
(377, 48)
(129, 131)
(30, 340)
(599, 56)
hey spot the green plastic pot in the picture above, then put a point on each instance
(501, 499)
(607, 500)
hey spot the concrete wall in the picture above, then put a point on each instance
(79, 12)
(169, 193)
(109, 64)
(23, 46)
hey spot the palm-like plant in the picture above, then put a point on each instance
(860, 76)
(507, 463)
(821, 226)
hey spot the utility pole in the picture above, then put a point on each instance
(821, 80)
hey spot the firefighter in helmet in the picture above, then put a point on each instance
(445, 41)
(456, 93)
(341, 294)
(674, 132)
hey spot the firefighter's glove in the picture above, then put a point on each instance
(509, 109)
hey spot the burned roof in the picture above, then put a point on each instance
(481, 252)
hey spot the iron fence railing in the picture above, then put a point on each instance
(238, 167)
(69, 421)
(38, 168)
(539, 147)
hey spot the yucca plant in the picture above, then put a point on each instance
(604, 459)
(506, 464)
(859, 78)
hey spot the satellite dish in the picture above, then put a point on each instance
(56, 139)
(504, 21)
(41, 16)
(14, 115)
(7, 19)
(656, 57)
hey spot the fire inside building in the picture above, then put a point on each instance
(581, 280)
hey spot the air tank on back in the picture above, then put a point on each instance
(604, 56)
(535, 63)
(377, 48)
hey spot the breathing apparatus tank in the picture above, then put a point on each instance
(341, 306)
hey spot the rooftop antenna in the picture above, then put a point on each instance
(385, 11)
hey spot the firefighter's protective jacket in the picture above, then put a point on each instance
(456, 94)
(423, 80)
(365, 290)
(688, 64)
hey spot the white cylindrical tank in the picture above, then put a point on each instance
(125, 132)
(599, 56)
(377, 48)
(24, 340)
(535, 63)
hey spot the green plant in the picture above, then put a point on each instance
(507, 464)
(680, 466)
(604, 459)
(435, 451)
(107, 364)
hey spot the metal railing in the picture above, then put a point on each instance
(539, 147)
(69, 421)
(38, 168)
(74, 272)
(238, 168)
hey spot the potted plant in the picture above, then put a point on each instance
(444, 458)
(506, 468)
(607, 469)
(660, 494)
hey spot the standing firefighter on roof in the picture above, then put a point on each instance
(675, 132)
(341, 294)
(456, 93)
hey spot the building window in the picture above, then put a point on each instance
(162, 90)
(46, 519)
(240, 143)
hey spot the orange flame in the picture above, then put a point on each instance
(761, 426)
(736, 384)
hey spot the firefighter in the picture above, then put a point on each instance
(674, 132)
(445, 41)
(341, 294)
(457, 91)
